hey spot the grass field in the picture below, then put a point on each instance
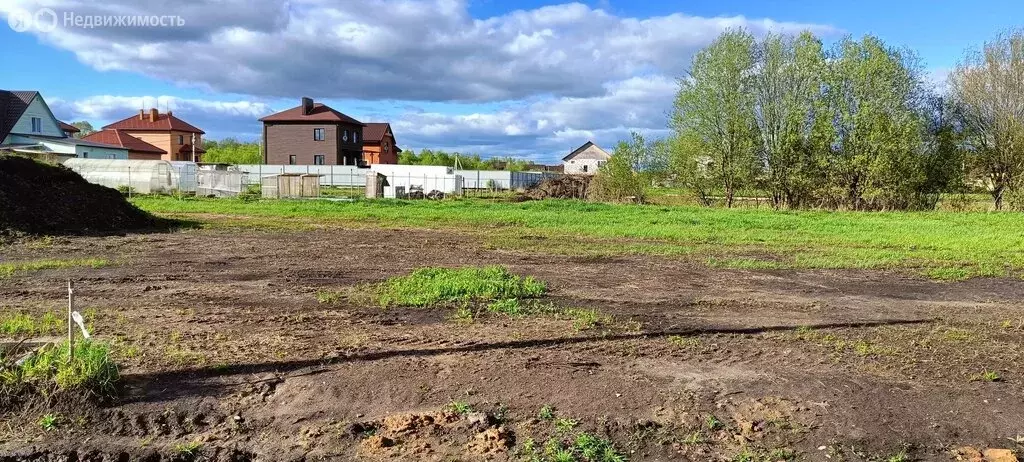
(941, 245)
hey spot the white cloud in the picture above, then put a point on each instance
(429, 50)
(219, 118)
(558, 75)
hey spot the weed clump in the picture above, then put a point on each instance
(448, 286)
(49, 370)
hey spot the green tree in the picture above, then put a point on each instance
(84, 128)
(987, 89)
(788, 108)
(874, 93)
(619, 180)
(714, 110)
(231, 151)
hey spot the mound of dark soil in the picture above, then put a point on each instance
(38, 198)
(561, 187)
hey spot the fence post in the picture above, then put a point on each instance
(129, 197)
(71, 322)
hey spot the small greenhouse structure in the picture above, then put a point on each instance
(142, 176)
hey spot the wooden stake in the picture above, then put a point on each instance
(71, 322)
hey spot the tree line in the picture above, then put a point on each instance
(466, 161)
(232, 151)
(854, 126)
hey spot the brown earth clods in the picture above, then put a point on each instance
(38, 198)
(226, 350)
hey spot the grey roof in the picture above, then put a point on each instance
(75, 142)
(584, 148)
(12, 105)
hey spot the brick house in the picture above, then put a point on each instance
(137, 149)
(166, 132)
(379, 145)
(312, 134)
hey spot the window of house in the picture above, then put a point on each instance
(37, 125)
(291, 159)
(585, 168)
(601, 163)
(345, 137)
(85, 155)
(318, 134)
(386, 147)
(318, 159)
(355, 137)
(181, 140)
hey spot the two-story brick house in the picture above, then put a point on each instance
(312, 134)
(166, 132)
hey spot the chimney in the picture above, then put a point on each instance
(169, 113)
(307, 105)
(142, 114)
(153, 114)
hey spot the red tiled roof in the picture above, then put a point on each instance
(375, 131)
(68, 127)
(320, 113)
(164, 122)
(187, 149)
(124, 140)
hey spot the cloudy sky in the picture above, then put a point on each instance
(525, 78)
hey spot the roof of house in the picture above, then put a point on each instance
(68, 128)
(124, 140)
(585, 146)
(73, 141)
(187, 149)
(320, 113)
(375, 131)
(163, 122)
(12, 105)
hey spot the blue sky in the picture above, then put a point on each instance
(528, 78)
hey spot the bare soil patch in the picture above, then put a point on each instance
(228, 355)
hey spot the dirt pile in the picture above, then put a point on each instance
(37, 198)
(561, 187)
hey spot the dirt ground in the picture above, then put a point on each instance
(227, 354)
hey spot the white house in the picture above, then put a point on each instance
(585, 160)
(28, 126)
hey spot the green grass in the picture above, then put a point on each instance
(21, 324)
(440, 286)
(458, 407)
(945, 245)
(49, 422)
(9, 269)
(92, 370)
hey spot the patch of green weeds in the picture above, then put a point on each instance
(49, 369)
(711, 423)
(189, 450)
(458, 407)
(987, 376)
(438, 286)
(329, 297)
(901, 456)
(509, 306)
(684, 342)
(9, 269)
(584, 319)
(580, 447)
(49, 422)
(563, 425)
(547, 412)
(22, 324)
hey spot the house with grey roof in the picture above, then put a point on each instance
(27, 126)
(585, 160)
